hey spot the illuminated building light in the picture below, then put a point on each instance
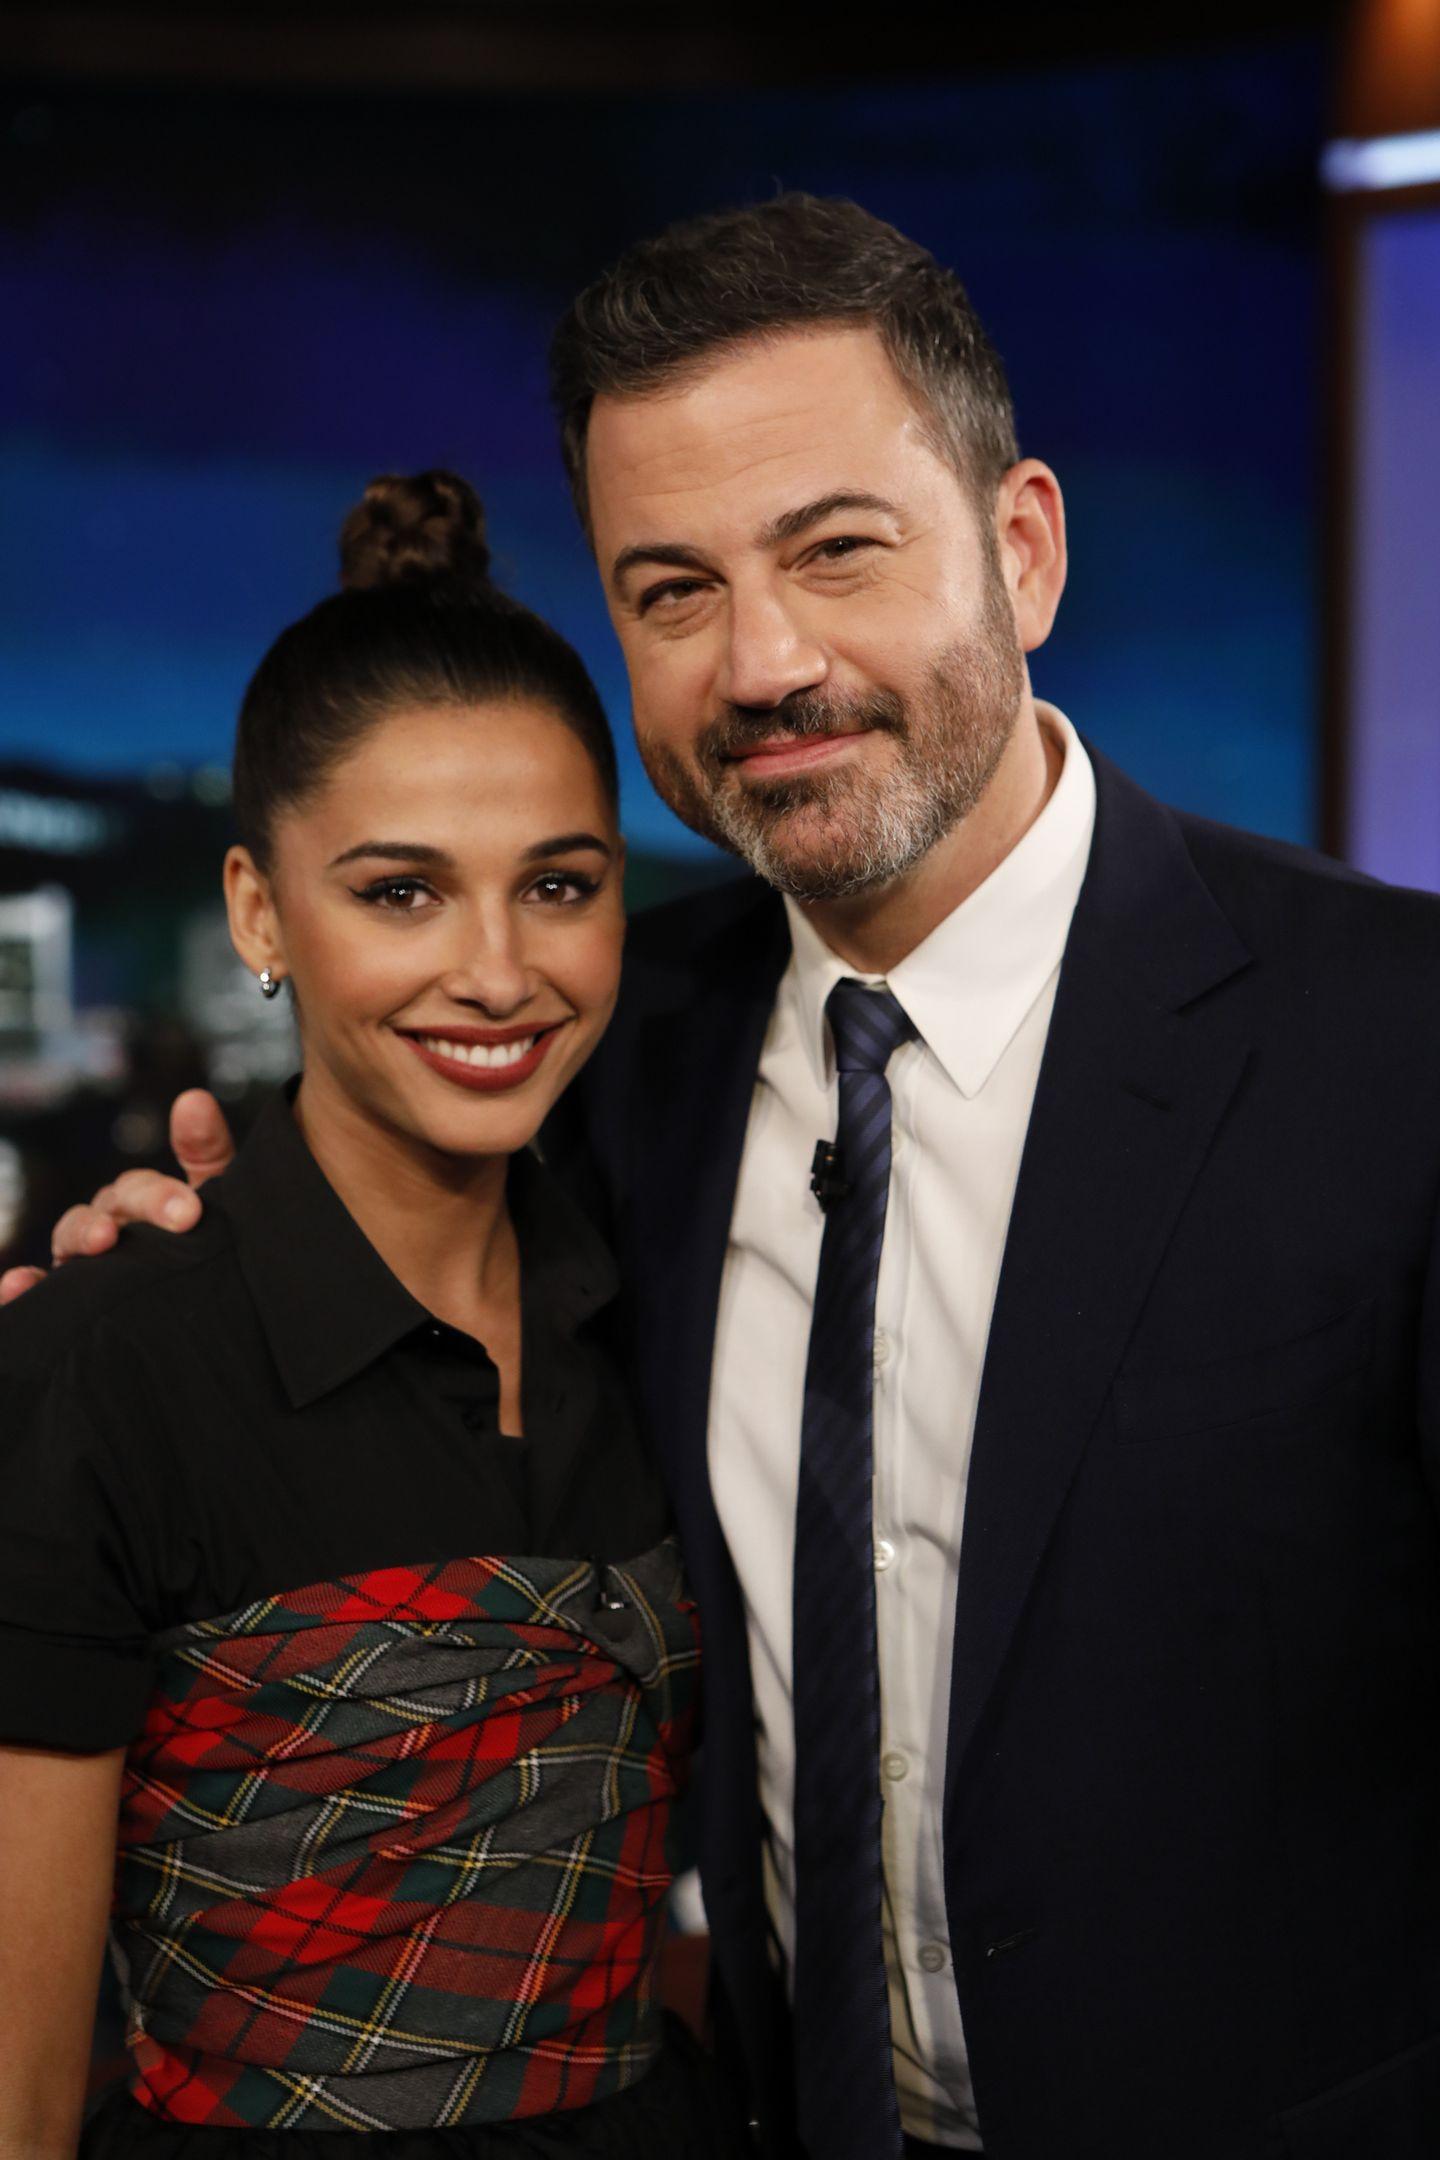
(12, 1193)
(48, 825)
(1384, 161)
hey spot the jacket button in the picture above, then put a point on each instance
(1006, 1943)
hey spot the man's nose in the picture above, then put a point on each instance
(768, 654)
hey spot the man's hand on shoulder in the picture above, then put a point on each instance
(203, 1147)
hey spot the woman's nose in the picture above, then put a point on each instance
(490, 967)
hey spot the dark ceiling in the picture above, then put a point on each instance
(604, 45)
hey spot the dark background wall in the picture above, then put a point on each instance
(226, 310)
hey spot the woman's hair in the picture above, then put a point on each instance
(417, 622)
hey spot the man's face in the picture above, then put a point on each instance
(822, 651)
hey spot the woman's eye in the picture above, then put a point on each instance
(398, 896)
(562, 888)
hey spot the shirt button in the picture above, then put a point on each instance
(882, 1349)
(884, 1554)
(894, 1766)
(933, 1958)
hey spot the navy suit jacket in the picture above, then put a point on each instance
(1192, 1786)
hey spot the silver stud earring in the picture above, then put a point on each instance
(269, 983)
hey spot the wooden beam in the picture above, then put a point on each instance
(1390, 73)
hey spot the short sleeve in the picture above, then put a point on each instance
(76, 1668)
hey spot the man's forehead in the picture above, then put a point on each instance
(817, 412)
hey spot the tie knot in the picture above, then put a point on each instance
(868, 1026)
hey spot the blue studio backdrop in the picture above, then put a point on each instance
(225, 312)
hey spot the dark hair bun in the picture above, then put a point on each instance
(405, 528)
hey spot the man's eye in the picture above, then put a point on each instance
(842, 545)
(399, 896)
(562, 888)
(666, 595)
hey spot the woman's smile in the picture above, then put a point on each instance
(487, 1059)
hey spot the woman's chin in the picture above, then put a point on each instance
(486, 1129)
(431, 1114)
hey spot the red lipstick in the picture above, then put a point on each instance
(484, 1078)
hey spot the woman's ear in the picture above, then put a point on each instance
(254, 923)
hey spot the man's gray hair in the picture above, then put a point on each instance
(670, 305)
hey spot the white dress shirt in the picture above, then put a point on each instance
(980, 990)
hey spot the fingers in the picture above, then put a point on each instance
(83, 1230)
(200, 1136)
(17, 1280)
(149, 1196)
(144, 1196)
(202, 1141)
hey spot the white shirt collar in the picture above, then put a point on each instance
(969, 985)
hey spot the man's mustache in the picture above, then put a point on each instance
(739, 728)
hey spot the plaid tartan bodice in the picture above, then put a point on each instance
(393, 1847)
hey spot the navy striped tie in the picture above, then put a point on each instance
(844, 2064)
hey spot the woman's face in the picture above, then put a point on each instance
(448, 908)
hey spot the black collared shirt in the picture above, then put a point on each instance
(190, 1423)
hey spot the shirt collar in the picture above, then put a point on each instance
(969, 985)
(328, 1303)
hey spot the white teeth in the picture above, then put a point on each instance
(492, 1056)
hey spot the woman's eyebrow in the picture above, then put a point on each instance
(413, 851)
(566, 843)
(417, 851)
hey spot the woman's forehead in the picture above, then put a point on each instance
(461, 778)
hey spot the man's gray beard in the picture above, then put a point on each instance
(861, 829)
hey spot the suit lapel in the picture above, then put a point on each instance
(1131, 1090)
(694, 1076)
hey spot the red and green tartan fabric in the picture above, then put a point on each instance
(393, 1847)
